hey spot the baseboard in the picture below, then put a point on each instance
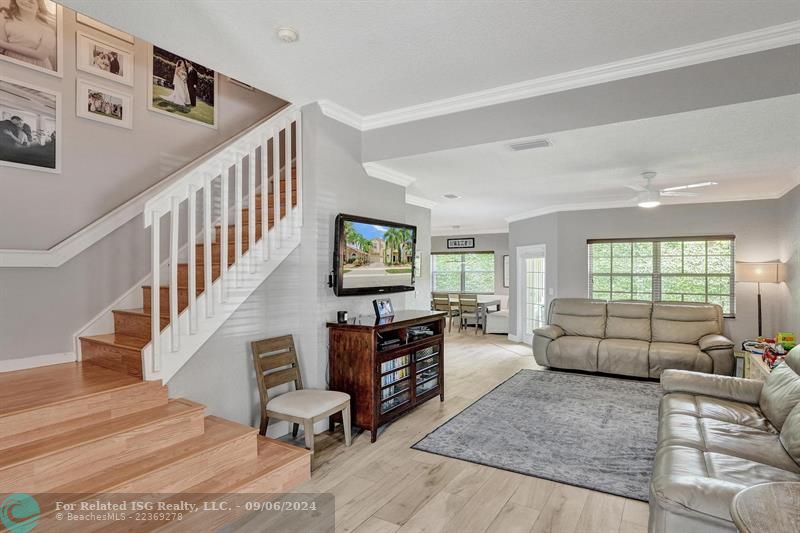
(9, 365)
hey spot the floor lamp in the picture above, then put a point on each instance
(758, 273)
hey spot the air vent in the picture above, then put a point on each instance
(529, 145)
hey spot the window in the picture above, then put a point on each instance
(534, 286)
(463, 272)
(691, 269)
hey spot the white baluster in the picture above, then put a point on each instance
(237, 201)
(287, 178)
(155, 292)
(192, 244)
(265, 200)
(207, 247)
(251, 209)
(223, 234)
(276, 186)
(174, 226)
(298, 157)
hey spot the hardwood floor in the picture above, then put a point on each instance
(387, 487)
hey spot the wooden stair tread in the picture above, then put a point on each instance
(76, 437)
(22, 390)
(139, 311)
(217, 431)
(116, 339)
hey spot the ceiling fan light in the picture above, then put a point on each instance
(649, 199)
(647, 204)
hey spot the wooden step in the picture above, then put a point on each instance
(199, 272)
(44, 464)
(136, 322)
(121, 353)
(232, 232)
(39, 402)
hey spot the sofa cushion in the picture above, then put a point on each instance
(623, 356)
(578, 353)
(664, 355)
(781, 392)
(790, 434)
(578, 316)
(685, 323)
(628, 320)
(715, 408)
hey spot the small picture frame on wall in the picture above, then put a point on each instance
(103, 59)
(383, 307)
(103, 104)
(455, 244)
(506, 270)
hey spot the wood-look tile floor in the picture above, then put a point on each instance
(387, 487)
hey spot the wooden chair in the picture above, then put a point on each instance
(441, 302)
(455, 308)
(276, 364)
(470, 309)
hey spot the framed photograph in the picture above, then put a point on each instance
(103, 104)
(32, 35)
(30, 126)
(102, 59)
(468, 242)
(506, 270)
(182, 89)
(383, 307)
(105, 28)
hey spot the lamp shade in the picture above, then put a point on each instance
(757, 272)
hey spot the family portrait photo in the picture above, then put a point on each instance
(103, 59)
(31, 34)
(182, 88)
(29, 127)
(103, 104)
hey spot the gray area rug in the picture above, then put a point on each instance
(591, 431)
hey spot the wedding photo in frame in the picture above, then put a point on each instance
(103, 59)
(30, 126)
(32, 35)
(103, 104)
(182, 88)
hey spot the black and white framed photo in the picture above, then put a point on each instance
(103, 104)
(30, 126)
(105, 28)
(32, 34)
(103, 59)
(383, 307)
(468, 242)
(506, 270)
(182, 88)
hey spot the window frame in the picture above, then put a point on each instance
(463, 271)
(657, 276)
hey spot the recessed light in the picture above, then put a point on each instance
(287, 35)
(451, 196)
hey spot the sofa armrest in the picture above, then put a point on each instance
(715, 342)
(551, 331)
(724, 387)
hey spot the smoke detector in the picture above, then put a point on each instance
(287, 35)
(529, 145)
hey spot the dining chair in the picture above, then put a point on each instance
(276, 364)
(442, 303)
(455, 309)
(470, 309)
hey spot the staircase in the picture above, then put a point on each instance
(78, 429)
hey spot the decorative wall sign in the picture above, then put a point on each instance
(468, 242)
(30, 126)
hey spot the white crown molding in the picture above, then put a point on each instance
(734, 45)
(462, 232)
(34, 361)
(381, 172)
(342, 114)
(419, 201)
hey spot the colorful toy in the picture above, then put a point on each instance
(788, 340)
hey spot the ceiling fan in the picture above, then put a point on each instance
(650, 196)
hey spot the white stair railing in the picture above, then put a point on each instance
(209, 176)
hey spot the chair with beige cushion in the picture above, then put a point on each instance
(276, 364)
(717, 436)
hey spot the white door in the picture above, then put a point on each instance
(531, 290)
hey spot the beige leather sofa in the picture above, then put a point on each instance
(718, 435)
(633, 338)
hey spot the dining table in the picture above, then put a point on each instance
(485, 301)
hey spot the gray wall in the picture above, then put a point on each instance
(488, 242)
(790, 254)
(758, 238)
(296, 299)
(104, 166)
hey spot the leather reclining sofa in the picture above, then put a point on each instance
(640, 339)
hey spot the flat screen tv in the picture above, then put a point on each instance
(373, 256)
